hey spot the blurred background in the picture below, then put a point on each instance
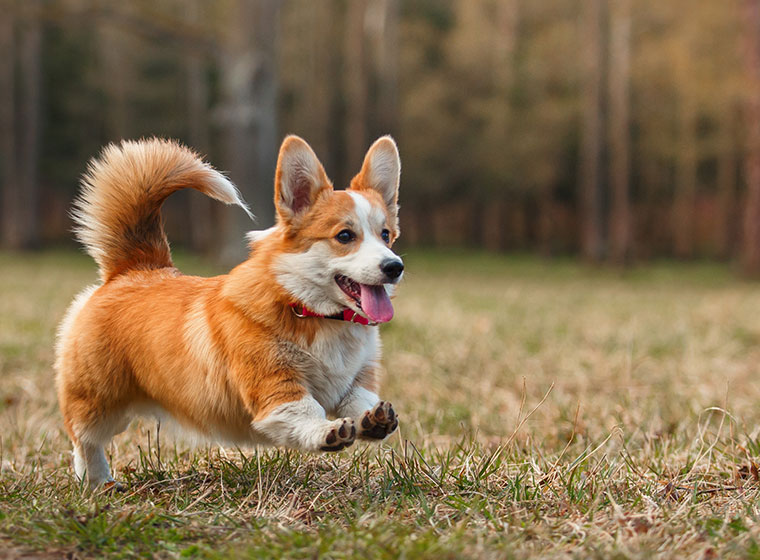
(617, 130)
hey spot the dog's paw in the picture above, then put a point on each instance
(378, 423)
(341, 435)
(112, 487)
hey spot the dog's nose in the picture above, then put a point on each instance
(392, 268)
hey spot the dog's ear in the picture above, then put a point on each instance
(381, 172)
(299, 179)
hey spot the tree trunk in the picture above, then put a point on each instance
(684, 204)
(355, 87)
(248, 116)
(504, 47)
(200, 207)
(19, 126)
(725, 234)
(751, 249)
(117, 76)
(619, 131)
(545, 217)
(8, 177)
(322, 77)
(29, 127)
(505, 40)
(382, 17)
(649, 212)
(592, 150)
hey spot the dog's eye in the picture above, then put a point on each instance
(386, 235)
(345, 236)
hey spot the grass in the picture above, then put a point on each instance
(548, 409)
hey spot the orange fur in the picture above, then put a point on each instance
(217, 354)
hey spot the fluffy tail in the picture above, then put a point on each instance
(118, 213)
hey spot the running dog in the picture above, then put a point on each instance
(283, 350)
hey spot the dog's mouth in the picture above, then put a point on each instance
(371, 299)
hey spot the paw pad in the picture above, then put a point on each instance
(379, 422)
(340, 436)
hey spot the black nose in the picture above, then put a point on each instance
(392, 268)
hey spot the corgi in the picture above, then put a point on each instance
(283, 350)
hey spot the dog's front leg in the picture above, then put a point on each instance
(301, 424)
(376, 419)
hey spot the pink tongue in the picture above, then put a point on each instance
(376, 304)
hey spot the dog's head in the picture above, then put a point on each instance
(337, 244)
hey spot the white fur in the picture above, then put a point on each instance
(90, 461)
(300, 424)
(224, 191)
(89, 452)
(343, 350)
(258, 235)
(363, 265)
(343, 353)
(310, 277)
(357, 402)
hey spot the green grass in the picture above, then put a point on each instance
(548, 409)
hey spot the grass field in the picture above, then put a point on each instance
(547, 410)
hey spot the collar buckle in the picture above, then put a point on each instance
(297, 310)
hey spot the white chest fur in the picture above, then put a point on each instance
(343, 352)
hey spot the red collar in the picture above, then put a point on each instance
(346, 315)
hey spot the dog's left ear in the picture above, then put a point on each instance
(381, 172)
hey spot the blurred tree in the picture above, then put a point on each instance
(424, 115)
(382, 30)
(592, 179)
(8, 176)
(544, 120)
(355, 76)
(311, 81)
(323, 73)
(544, 126)
(619, 132)
(197, 87)
(248, 114)
(117, 58)
(22, 212)
(725, 230)
(685, 195)
(751, 249)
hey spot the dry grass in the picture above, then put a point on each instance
(547, 409)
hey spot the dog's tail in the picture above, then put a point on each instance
(118, 213)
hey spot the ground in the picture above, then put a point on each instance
(547, 409)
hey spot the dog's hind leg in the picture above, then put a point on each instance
(90, 440)
(90, 462)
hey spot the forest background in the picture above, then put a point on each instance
(617, 130)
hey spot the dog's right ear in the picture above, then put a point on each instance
(299, 179)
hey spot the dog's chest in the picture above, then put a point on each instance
(342, 354)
